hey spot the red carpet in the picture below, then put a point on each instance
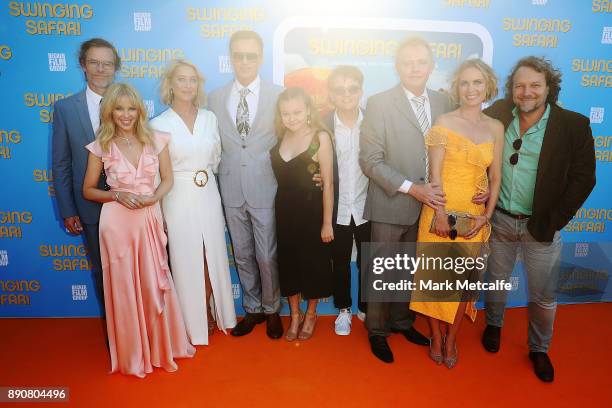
(327, 370)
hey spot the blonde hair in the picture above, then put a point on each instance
(486, 71)
(165, 89)
(298, 93)
(107, 129)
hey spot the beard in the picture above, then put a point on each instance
(530, 105)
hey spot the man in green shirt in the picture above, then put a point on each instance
(548, 171)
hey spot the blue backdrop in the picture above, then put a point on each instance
(45, 272)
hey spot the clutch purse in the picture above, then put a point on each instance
(460, 222)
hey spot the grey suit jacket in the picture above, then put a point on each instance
(392, 149)
(245, 170)
(72, 130)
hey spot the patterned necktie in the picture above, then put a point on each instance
(424, 125)
(242, 114)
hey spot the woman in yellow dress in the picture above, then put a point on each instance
(465, 153)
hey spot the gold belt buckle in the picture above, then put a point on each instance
(200, 178)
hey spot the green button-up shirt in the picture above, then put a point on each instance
(518, 181)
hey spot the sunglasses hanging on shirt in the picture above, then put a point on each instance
(514, 158)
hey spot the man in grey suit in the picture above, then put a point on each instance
(75, 121)
(394, 157)
(245, 112)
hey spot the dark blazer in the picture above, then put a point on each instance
(72, 130)
(566, 168)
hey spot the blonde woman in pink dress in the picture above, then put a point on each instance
(143, 316)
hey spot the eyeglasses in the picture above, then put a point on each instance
(351, 90)
(106, 65)
(241, 56)
(452, 221)
(515, 156)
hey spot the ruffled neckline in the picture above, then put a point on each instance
(462, 136)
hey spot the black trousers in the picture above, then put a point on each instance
(341, 255)
(92, 241)
(384, 316)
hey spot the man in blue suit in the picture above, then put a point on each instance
(75, 122)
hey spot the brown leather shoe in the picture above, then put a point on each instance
(246, 325)
(274, 326)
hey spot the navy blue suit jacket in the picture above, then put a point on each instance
(72, 130)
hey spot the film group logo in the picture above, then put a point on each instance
(225, 67)
(606, 35)
(597, 114)
(4, 260)
(236, 290)
(79, 292)
(142, 21)
(150, 105)
(57, 62)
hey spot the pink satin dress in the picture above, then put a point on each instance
(143, 316)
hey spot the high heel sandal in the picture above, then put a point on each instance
(292, 335)
(437, 358)
(306, 334)
(450, 362)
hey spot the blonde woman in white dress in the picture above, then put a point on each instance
(192, 209)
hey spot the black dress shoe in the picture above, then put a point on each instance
(246, 325)
(380, 348)
(413, 336)
(542, 366)
(274, 326)
(490, 338)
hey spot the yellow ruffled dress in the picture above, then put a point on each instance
(464, 174)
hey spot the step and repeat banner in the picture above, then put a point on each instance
(45, 272)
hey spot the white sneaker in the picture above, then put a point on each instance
(343, 322)
(361, 316)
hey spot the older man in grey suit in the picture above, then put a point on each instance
(75, 121)
(394, 157)
(245, 112)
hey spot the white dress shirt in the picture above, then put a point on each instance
(93, 107)
(407, 183)
(252, 99)
(353, 186)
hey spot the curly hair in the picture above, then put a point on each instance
(543, 66)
